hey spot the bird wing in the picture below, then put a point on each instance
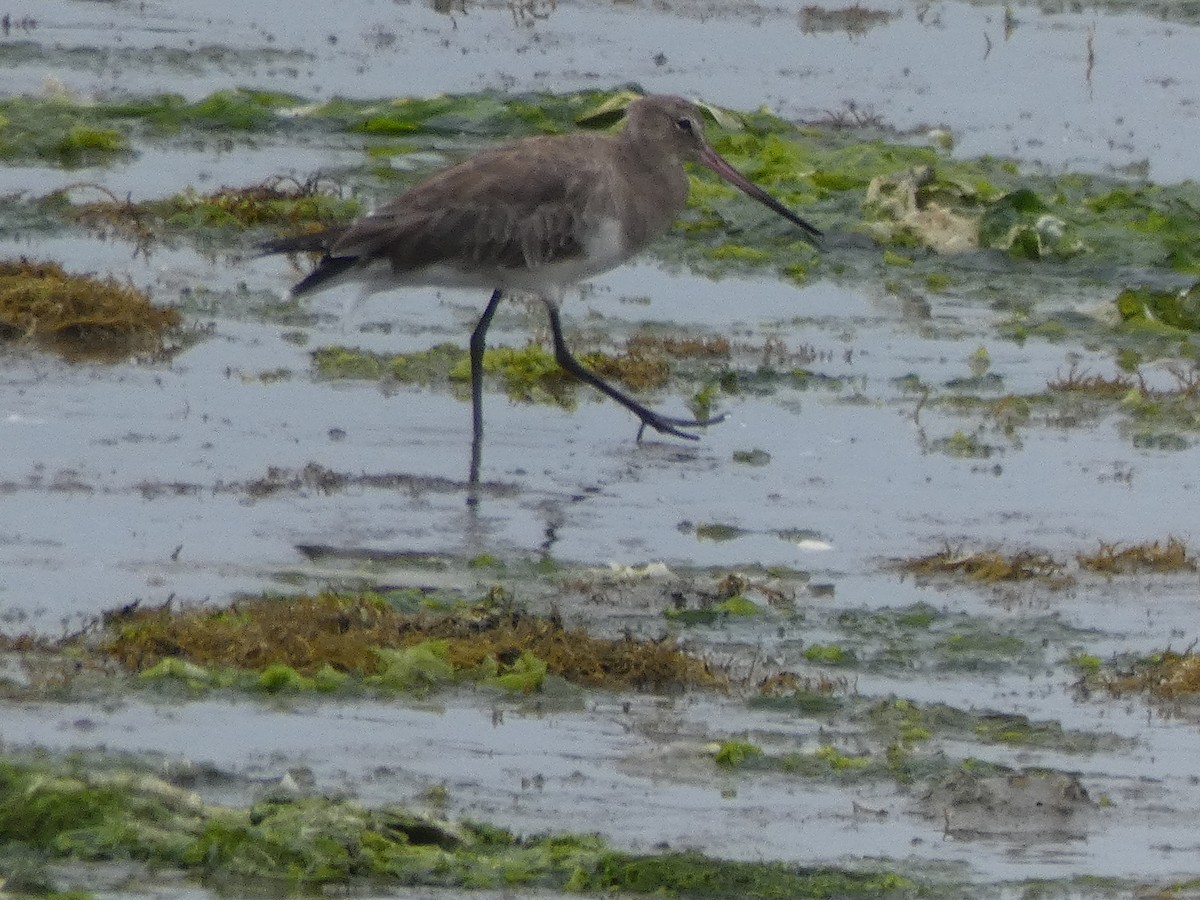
(519, 206)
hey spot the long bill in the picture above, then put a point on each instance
(713, 160)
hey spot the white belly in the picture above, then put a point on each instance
(604, 246)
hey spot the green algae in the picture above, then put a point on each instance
(984, 565)
(281, 202)
(335, 642)
(829, 655)
(483, 114)
(525, 675)
(838, 761)
(921, 638)
(963, 445)
(827, 762)
(486, 561)
(728, 600)
(889, 736)
(418, 669)
(734, 753)
(487, 114)
(755, 457)
(422, 367)
(57, 132)
(82, 143)
(691, 875)
(239, 109)
(39, 815)
(1162, 311)
(980, 648)
(1060, 220)
(528, 374)
(735, 606)
(739, 253)
(719, 531)
(278, 677)
(800, 701)
(900, 721)
(55, 813)
(427, 666)
(906, 724)
(767, 379)
(897, 720)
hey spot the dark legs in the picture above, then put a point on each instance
(478, 342)
(665, 424)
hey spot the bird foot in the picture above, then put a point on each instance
(671, 425)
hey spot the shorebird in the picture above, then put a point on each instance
(536, 216)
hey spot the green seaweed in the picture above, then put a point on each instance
(1160, 310)
(335, 641)
(719, 531)
(692, 875)
(829, 655)
(734, 753)
(737, 605)
(240, 110)
(418, 669)
(528, 374)
(58, 133)
(847, 178)
(318, 843)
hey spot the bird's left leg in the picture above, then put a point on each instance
(665, 424)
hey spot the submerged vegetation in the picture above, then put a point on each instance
(414, 641)
(1168, 675)
(291, 843)
(527, 374)
(279, 202)
(910, 198)
(986, 566)
(989, 566)
(1117, 559)
(320, 642)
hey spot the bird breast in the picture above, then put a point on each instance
(652, 193)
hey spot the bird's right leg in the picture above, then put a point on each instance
(665, 424)
(478, 342)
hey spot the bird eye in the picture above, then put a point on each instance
(684, 124)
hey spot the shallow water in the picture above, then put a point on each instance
(1020, 88)
(129, 482)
